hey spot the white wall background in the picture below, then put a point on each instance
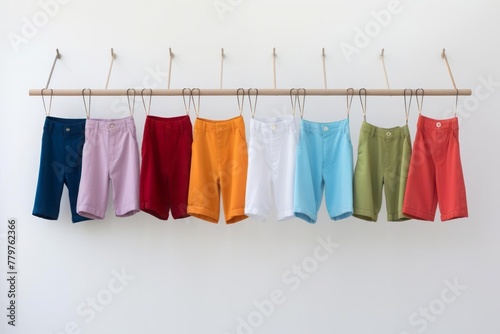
(191, 276)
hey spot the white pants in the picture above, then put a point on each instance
(271, 166)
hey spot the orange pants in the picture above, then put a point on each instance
(435, 172)
(218, 164)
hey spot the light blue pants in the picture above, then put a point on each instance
(324, 161)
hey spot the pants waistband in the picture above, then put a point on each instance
(272, 123)
(437, 124)
(166, 123)
(64, 125)
(111, 124)
(324, 127)
(219, 125)
(396, 132)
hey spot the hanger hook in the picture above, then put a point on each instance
(131, 107)
(420, 102)
(362, 99)
(293, 92)
(240, 103)
(301, 92)
(198, 93)
(187, 106)
(407, 106)
(47, 113)
(350, 95)
(87, 110)
(253, 107)
(148, 109)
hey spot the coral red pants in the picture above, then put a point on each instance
(435, 173)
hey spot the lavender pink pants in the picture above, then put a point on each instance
(111, 153)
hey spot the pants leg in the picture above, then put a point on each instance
(449, 178)
(338, 173)
(50, 177)
(178, 176)
(233, 168)
(153, 194)
(258, 188)
(94, 182)
(398, 154)
(74, 148)
(124, 170)
(420, 200)
(204, 192)
(368, 175)
(284, 157)
(309, 185)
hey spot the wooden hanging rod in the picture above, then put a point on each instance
(232, 91)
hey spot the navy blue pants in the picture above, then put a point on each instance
(60, 164)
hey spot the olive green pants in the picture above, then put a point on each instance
(383, 162)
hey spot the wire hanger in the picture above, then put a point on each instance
(187, 106)
(87, 110)
(362, 96)
(293, 93)
(240, 103)
(301, 91)
(148, 109)
(420, 102)
(47, 113)
(350, 95)
(253, 107)
(196, 108)
(456, 103)
(407, 106)
(131, 107)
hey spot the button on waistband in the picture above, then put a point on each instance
(273, 127)
(68, 129)
(111, 126)
(325, 128)
(388, 134)
(438, 124)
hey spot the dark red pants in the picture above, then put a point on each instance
(166, 163)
